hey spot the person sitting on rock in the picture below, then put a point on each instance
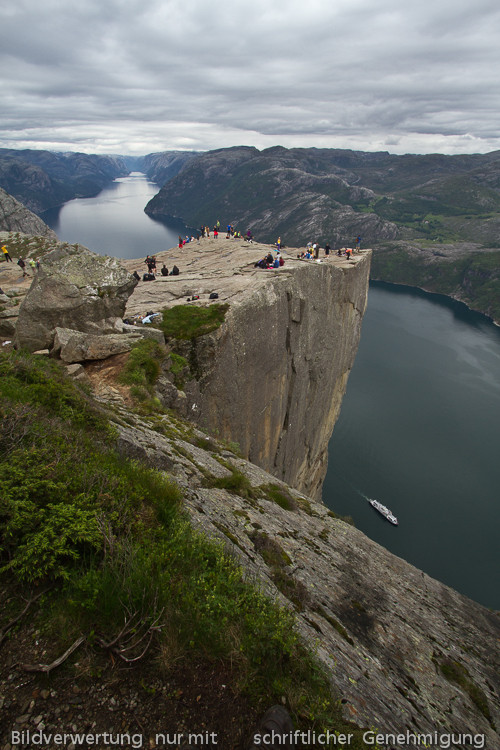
(164, 270)
(174, 272)
(270, 259)
(136, 275)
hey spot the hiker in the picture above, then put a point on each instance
(22, 265)
(136, 276)
(6, 254)
(164, 270)
(327, 249)
(174, 272)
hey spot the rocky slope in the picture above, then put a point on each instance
(163, 166)
(403, 651)
(14, 217)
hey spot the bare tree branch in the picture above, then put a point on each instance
(49, 667)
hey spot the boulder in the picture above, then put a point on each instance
(76, 289)
(145, 331)
(76, 346)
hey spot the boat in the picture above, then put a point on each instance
(388, 514)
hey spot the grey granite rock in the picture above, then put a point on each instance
(75, 289)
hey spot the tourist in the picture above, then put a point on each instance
(327, 249)
(164, 270)
(136, 275)
(22, 265)
(316, 250)
(6, 255)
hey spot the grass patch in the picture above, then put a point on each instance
(178, 367)
(237, 483)
(277, 494)
(188, 322)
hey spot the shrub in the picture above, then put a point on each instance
(190, 322)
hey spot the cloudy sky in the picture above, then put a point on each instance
(133, 77)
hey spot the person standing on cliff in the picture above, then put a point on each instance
(6, 255)
(22, 265)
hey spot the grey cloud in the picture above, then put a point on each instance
(124, 76)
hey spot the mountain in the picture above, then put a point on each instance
(42, 179)
(165, 165)
(434, 213)
(14, 217)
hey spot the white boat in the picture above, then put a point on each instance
(388, 514)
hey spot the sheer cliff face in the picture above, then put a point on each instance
(275, 375)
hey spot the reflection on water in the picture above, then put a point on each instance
(419, 430)
(114, 222)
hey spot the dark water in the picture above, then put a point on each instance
(419, 430)
(114, 222)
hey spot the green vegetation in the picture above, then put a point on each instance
(141, 372)
(476, 276)
(178, 365)
(279, 495)
(110, 538)
(189, 322)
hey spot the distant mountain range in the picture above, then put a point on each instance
(433, 220)
(43, 179)
(333, 195)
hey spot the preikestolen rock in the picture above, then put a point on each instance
(74, 288)
(76, 346)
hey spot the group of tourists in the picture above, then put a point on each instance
(150, 261)
(313, 250)
(269, 261)
(32, 263)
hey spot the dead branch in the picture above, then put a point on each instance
(31, 600)
(57, 663)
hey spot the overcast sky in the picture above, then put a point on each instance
(134, 77)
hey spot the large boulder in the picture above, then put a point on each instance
(77, 289)
(75, 346)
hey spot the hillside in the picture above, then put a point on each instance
(157, 580)
(43, 179)
(424, 212)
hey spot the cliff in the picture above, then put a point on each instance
(273, 376)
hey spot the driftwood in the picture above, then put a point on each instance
(57, 663)
(135, 634)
